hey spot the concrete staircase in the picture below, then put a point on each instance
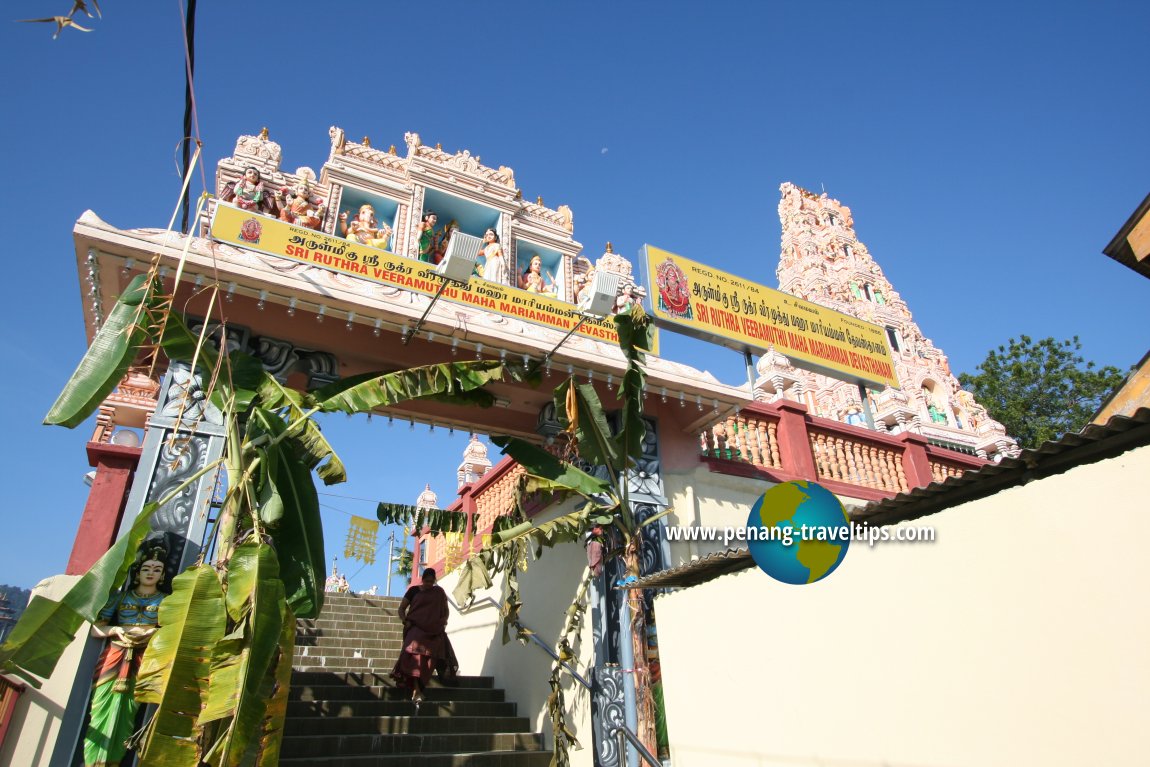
(345, 710)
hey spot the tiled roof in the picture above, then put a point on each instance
(699, 571)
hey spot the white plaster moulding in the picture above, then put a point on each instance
(583, 353)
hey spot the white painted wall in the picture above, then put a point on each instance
(546, 590)
(1020, 637)
(35, 725)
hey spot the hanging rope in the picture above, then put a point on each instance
(191, 118)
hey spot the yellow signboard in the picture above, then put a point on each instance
(715, 306)
(278, 238)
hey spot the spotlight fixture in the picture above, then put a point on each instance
(377, 329)
(291, 306)
(454, 347)
(479, 351)
(263, 300)
(663, 393)
(682, 401)
(699, 401)
(350, 321)
(320, 314)
(199, 281)
(128, 266)
(457, 266)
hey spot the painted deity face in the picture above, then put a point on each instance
(432, 219)
(151, 572)
(489, 236)
(536, 264)
(366, 214)
(252, 176)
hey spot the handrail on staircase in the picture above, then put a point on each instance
(624, 734)
(524, 631)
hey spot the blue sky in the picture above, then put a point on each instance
(989, 151)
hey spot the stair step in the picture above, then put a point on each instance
(455, 743)
(383, 678)
(398, 707)
(343, 692)
(344, 710)
(346, 639)
(484, 759)
(304, 653)
(320, 728)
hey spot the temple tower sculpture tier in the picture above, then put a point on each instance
(475, 462)
(409, 204)
(822, 260)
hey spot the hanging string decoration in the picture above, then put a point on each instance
(361, 540)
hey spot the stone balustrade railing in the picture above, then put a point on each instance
(776, 442)
(781, 441)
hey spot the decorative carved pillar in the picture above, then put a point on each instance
(185, 434)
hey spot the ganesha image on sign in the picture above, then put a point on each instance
(674, 291)
(250, 231)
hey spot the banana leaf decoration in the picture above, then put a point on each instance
(219, 668)
(174, 673)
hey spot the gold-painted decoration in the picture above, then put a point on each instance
(361, 540)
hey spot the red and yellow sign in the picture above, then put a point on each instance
(278, 238)
(706, 303)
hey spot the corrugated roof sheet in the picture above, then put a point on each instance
(1092, 444)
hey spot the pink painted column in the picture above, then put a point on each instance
(915, 463)
(794, 444)
(115, 465)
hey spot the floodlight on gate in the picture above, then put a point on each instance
(457, 266)
(596, 301)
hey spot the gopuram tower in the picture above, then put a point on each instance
(822, 260)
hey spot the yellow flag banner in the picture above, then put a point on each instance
(279, 238)
(361, 540)
(706, 303)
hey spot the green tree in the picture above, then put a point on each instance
(402, 566)
(1040, 390)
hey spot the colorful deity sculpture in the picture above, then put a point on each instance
(427, 236)
(533, 281)
(364, 229)
(248, 193)
(128, 621)
(494, 263)
(301, 208)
